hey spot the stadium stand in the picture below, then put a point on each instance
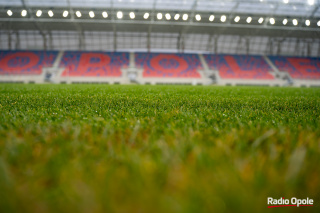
(299, 68)
(93, 64)
(157, 68)
(25, 62)
(160, 65)
(25, 66)
(170, 68)
(240, 67)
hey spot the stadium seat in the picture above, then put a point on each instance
(168, 65)
(25, 62)
(298, 67)
(94, 64)
(240, 66)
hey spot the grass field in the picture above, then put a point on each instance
(97, 148)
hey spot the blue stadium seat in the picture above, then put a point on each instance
(104, 64)
(240, 66)
(298, 67)
(25, 62)
(163, 65)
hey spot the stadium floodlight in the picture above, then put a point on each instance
(23, 13)
(223, 18)
(104, 14)
(308, 22)
(237, 19)
(272, 21)
(9, 12)
(260, 20)
(176, 17)
(50, 13)
(78, 14)
(286, 1)
(185, 17)
(198, 17)
(311, 2)
(295, 22)
(91, 14)
(168, 16)
(211, 18)
(159, 16)
(119, 15)
(146, 15)
(132, 15)
(285, 21)
(249, 19)
(39, 13)
(65, 13)
(318, 23)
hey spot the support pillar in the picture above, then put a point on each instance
(216, 44)
(44, 37)
(182, 44)
(114, 38)
(209, 45)
(17, 40)
(148, 39)
(82, 44)
(178, 42)
(297, 47)
(278, 47)
(270, 46)
(239, 45)
(9, 40)
(247, 45)
(50, 41)
(308, 49)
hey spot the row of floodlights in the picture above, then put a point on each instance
(185, 17)
(310, 2)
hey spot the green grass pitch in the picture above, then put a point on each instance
(100, 148)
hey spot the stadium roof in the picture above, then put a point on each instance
(203, 16)
(302, 8)
(277, 19)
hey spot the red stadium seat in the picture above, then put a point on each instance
(25, 62)
(168, 65)
(240, 67)
(298, 67)
(94, 64)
